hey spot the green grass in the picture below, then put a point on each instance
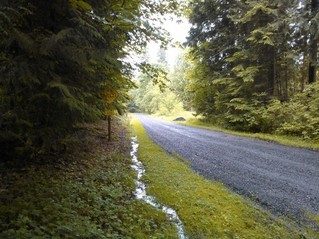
(207, 209)
(85, 193)
(198, 121)
(188, 115)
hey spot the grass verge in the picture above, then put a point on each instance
(207, 209)
(84, 193)
(281, 139)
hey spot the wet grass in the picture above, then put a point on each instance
(208, 209)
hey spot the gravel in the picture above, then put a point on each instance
(282, 179)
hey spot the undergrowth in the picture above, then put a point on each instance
(199, 122)
(281, 139)
(84, 193)
(207, 209)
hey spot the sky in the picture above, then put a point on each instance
(178, 32)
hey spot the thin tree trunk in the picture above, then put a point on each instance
(313, 49)
(286, 81)
(272, 71)
(109, 128)
(275, 73)
(304, 72)
(313, 62)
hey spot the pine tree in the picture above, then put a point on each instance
(313, 40)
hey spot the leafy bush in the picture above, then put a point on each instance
(297, 117)
(301, 115)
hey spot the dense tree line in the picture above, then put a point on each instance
(158, 90)
(63, 63)
(254, 64)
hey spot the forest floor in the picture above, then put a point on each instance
(86, 192)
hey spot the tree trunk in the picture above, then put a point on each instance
(313, 47)
(109, 127)
(271, 72)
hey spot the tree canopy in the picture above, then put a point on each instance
(63, 63)
(251, 57)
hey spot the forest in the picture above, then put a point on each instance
(71, 70)
(248, 66)
(63, 63)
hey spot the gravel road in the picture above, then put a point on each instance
(284, 180)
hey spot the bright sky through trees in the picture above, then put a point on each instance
(178, 32)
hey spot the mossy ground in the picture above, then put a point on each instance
(207, 209)
(86, 192)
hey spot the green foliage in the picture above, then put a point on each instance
(260, 7)
(81, 4)
(155, 93)
(151, 98)
(178, 82)
(155, 74)
(241, 114)
(56, 62)
(249, 61)
(86, 194)
(300, 115)
(294, 141)
(265, 116)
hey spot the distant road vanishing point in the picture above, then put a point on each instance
(282, 179)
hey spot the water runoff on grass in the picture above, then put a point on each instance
(140, 192)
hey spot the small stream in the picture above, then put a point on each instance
(140, 192)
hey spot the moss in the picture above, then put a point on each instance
(207, 209)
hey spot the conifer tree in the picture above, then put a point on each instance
(60, 61)
(247, 53)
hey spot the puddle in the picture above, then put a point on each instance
(140, 193)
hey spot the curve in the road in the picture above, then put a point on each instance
(281, 178)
